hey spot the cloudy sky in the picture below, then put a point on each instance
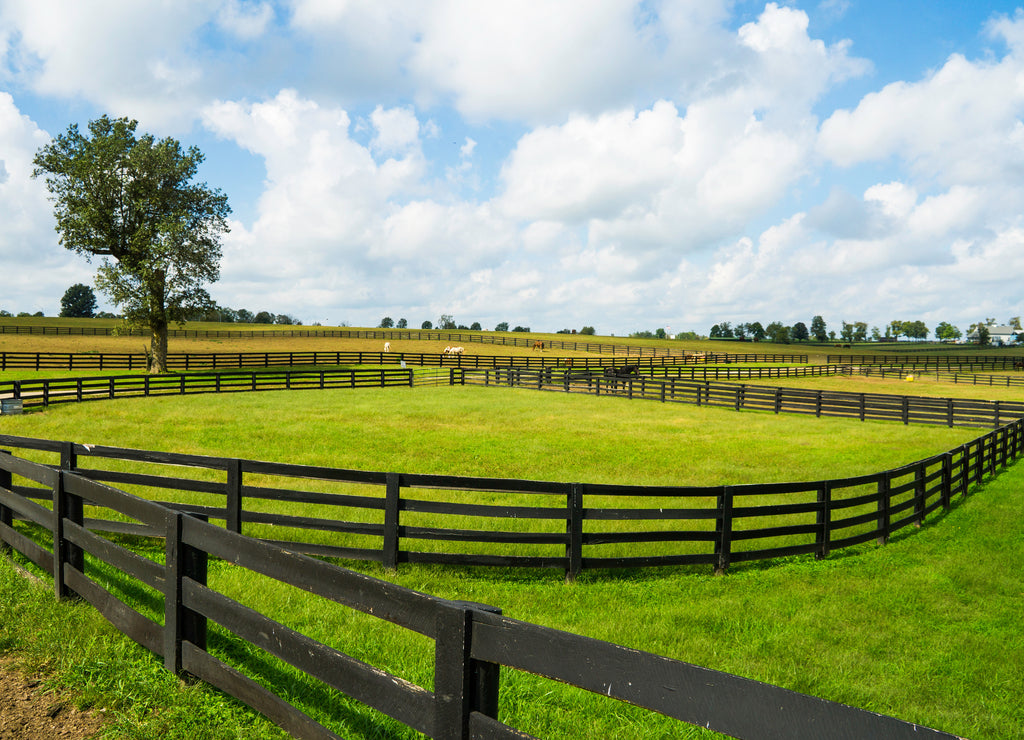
(621, 164)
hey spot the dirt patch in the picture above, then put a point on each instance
(29, 712)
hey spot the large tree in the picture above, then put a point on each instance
(131, 200)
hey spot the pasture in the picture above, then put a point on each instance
(924, 628)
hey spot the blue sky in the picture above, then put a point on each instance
(552, 163)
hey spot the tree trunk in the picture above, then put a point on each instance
(158, 349)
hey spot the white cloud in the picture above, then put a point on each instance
(245, 20)
(397, 130)
(36, 270)
(528, 59)
(345, 208)
(961, 124)
(129, 58)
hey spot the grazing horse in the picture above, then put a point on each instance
(1018, 364)
(538, 345)
(387, 346)
(626, 371)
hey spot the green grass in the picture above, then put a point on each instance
(925, 628)
(499, 432)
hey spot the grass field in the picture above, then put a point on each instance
(925, 628)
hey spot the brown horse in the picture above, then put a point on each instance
(538, 345)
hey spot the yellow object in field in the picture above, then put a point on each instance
(909, 378)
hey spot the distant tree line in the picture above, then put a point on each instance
(849, 332)
(447, 323)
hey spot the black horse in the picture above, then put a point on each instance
(625, 371)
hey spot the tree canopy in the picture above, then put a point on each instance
(131, 200)
(79, 301)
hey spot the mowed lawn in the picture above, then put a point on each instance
(498, 432)
(925, 628)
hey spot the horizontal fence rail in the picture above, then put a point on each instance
(187, 361)
(43, 392)
(526, 340)
(972, 361)
(471, 641)
(863, 406)
(931, 371)
(395, 518)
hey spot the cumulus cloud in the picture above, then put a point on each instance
(129, 58)
(527, 59)
(36, 269)
(960, 124)
(628, 162)
(245, 20)
(354, 212)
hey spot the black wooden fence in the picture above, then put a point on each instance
(186, 361)
(395, 518)
(741, 396)
(972, 361)
(957, 378)
(471, 642)
(525, 340)
(46, 391)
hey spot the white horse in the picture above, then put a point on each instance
(457, 350)
(387, 346)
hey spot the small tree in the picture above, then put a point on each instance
(777, 332)
(426, 325)
(475, 326)
(263, 317)
(818, 329)
(402, 324)
(915, 329)
(387, 322)
(799, 332)
(78, 302)
(502, 326)
(757, 332)
(946, 332)
(132, 201)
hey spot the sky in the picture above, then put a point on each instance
(621, 164)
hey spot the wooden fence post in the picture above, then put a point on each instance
(920, 472)
(947, 480)
(180, 623)
(574, 531)
(70, 507)
(723, 541)
(882, 526)
(461, 685)
(392, 501)
(6, 515)
(233, 499)
(824, 521)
